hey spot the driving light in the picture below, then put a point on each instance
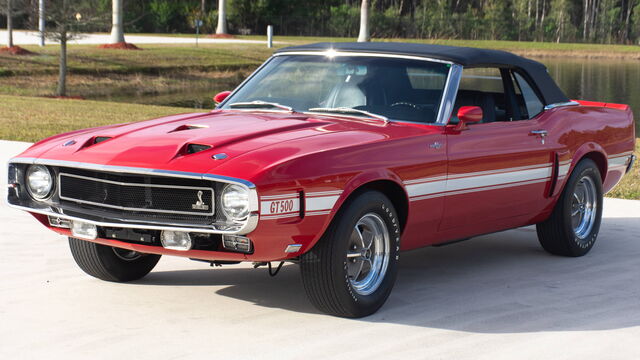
(236, 243)
(84, 230)
(235, 202)
(39, 182)
(176, 240)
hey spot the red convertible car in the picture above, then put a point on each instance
(336, 157)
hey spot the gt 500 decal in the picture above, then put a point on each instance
(280, 206)
(288, 205)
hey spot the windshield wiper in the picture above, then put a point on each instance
(349, 111)
(258, 104)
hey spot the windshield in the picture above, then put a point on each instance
(393, 88)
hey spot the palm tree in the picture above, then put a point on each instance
(364, 22)
(117, 30)
(222, 17)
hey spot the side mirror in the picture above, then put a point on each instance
(221, 96)
(469, 115)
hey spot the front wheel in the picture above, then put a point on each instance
(111, 263)
(351, 270)
(573, 227)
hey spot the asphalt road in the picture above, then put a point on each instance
(498, 296)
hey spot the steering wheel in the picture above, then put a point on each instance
(407, 104)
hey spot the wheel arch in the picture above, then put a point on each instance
(384, 181)
(392, 190)
(601, 162)
(589, 151)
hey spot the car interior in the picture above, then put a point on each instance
(485, 87)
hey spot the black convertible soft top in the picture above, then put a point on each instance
(465, 56)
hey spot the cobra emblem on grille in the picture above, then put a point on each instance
(200, 205)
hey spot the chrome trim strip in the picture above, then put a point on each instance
(135, 185)
(332, 53)
(249, 226)
(561, 104)
(449, 95)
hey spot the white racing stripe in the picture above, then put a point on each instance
(273, 207)
(320, 203)
(618, 160)
(428, 188)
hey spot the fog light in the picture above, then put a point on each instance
(236, 243)
(175, 240)
(84, 230)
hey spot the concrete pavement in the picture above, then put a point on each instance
(33, 38)
(498, 296)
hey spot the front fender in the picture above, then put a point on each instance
(352, 186)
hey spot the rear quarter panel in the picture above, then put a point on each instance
(604, 134)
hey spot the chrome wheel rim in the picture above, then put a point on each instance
(584, 206)
(126, 255)
(368, 254)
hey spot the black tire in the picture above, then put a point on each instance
(557, 235)
(325, 270)
(109, 263)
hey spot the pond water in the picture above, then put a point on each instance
(616, 81)
(606, 80)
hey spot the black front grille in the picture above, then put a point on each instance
(136, 194)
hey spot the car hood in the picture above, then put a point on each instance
(165, 143)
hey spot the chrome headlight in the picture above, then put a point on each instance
(235, 202)
(39, 182)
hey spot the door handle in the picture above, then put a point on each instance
(541, 133)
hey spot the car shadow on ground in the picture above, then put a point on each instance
(499, 283)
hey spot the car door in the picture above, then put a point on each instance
(499, 170)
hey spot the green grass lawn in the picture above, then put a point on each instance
(31, 119)
(153, 59)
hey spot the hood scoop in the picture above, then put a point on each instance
(93, 141)
(189, 127)
(99, 139)
(195, 148)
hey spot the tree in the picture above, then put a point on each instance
(363, 36)
(65, 21)
(11, 8)
(222, 18)
(117, 29)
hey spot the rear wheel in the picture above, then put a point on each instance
(111, 263)
(573, 227)
(351, 270)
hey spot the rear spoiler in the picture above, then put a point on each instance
(622, 107)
